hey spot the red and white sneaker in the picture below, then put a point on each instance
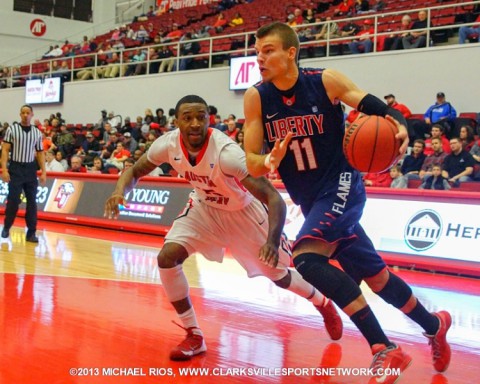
(191, 346)
(331, 318)
(386, 362)
(441, 352)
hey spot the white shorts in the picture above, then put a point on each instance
(207, 230)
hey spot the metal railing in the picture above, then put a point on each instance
(214, 53)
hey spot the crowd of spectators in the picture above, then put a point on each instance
(113, 143)
(152, 57)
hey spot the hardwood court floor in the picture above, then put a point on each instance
(86, 306)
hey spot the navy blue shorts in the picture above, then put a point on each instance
(334, 218)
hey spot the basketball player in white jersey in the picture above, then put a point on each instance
(225, 196)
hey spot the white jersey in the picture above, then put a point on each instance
(220, 166)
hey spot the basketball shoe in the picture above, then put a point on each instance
(384, 360)
(331, 318)
(441, 352)
(191, 346)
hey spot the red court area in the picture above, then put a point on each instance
(71, 317)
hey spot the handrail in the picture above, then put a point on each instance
(210, 54)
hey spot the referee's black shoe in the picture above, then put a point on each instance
(32, 239)
(5, 233)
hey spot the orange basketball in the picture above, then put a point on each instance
(370, 145)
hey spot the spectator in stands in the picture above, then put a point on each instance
(467, 32)
(467, 137)
(114, 120)
(219, 124)
(107, 132)
(239, 138)
(174, 35)
(64, 141)
(145, 130)
(55, 52)
(137, 129)
(76, 165)
(166, 55)
(137, 154)
(443, 113)
(399, 181)
(437, 157)
(111, 145)
(112, 69)
(435, 180)
(118, 156)
(403, 109)
(232, 129)
(350, 29)
(437, 132)
(136, 63)
(126, 127)
(364, 42)
(129, 142)
(412, 164)
(62, 71)
(394, 41)
(378, 6)
(291, 20)
(236, 20)
(344, 9)
(353, 115)
(141, 35)
(475, 151)
(220, 23)
(97, 167)
(418, 37)
(51, 164)
(297, 13)
(171, 119)
(309, 16)
(116, 35)
(59, 157)
(90, 148)
(67, 49)
(151, 32)
(458, 165)
(329, 30)
(128, 163)
(160, 118)
(188, 47)
(382, 179)
(361, 6)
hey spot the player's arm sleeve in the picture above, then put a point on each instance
(232, 162)
(158, 152)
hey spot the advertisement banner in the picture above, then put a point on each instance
(420, 228)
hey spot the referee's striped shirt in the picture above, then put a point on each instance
(25, 142)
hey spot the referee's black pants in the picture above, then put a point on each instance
(23, 177)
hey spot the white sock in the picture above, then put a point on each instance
(306, 290)
(189, 320)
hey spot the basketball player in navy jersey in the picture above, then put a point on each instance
(298, 112)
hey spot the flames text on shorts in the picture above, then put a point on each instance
(343, 191)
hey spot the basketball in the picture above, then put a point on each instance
(370, 145)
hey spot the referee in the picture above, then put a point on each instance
(24, 141)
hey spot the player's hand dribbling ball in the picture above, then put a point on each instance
(370, 145)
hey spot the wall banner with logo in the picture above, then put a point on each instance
(419, 224)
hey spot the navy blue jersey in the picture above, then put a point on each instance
(315, 158)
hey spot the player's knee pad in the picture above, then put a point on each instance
(329, 280)
(285, 281)
(174, 283)
(396, 291)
